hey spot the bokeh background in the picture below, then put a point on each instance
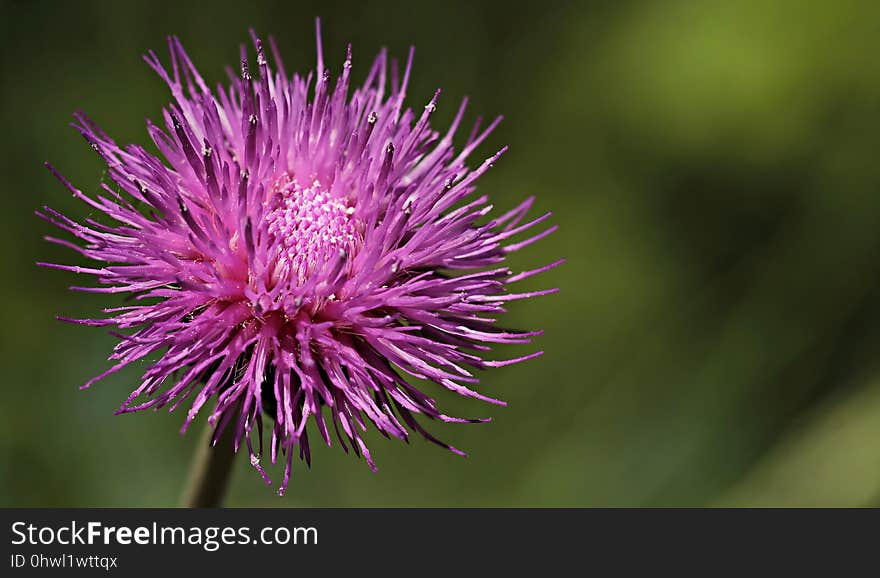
(712, 165)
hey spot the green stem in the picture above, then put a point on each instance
(211, 469)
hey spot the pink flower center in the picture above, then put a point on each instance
(310, 228)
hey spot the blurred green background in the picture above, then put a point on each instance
(713, 168)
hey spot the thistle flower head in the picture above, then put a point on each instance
(301, 250)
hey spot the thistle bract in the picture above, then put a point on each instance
(301, 250)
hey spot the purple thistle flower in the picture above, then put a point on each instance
(299, 257)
